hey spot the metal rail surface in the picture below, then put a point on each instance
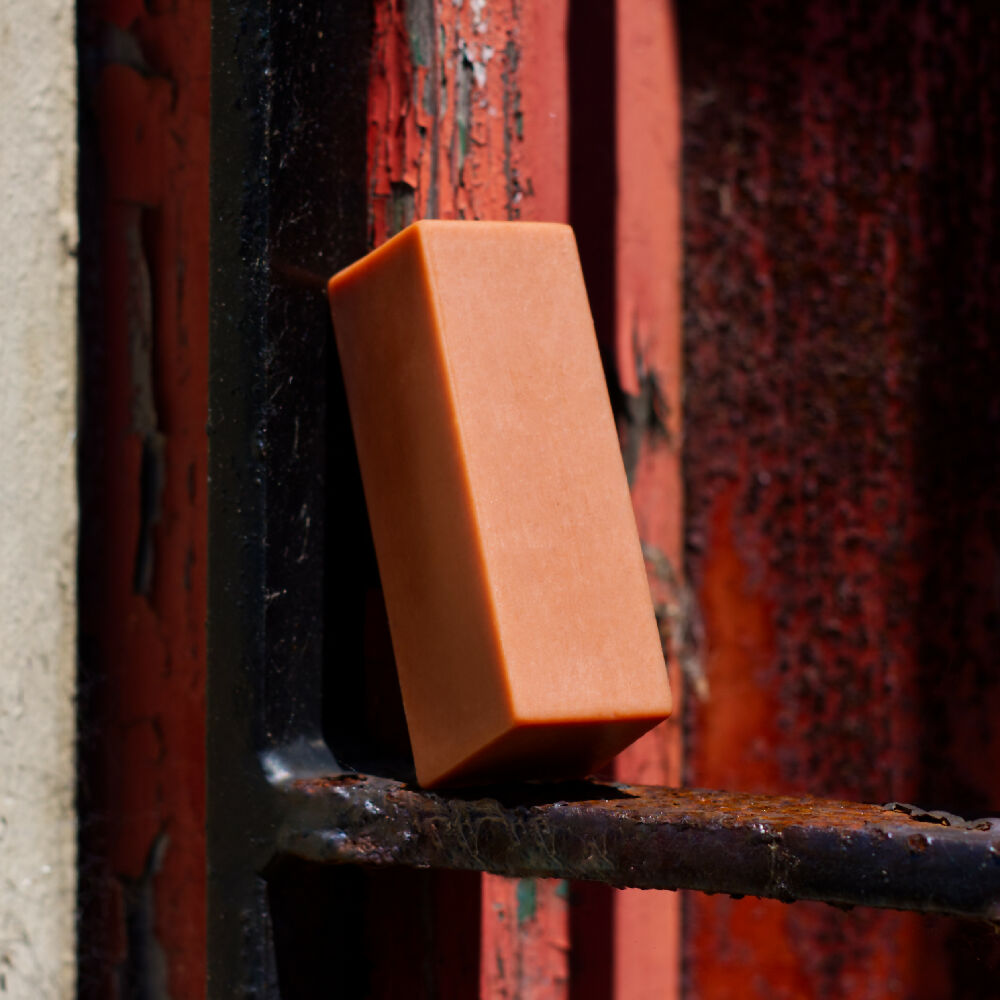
(895, 856)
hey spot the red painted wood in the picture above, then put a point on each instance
(525, 939)
(446, 113)
(525, 922)
(142, 588)
(841, 451)
(647, 351)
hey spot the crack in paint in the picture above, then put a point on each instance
(143, 973)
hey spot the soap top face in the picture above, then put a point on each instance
(495, 485)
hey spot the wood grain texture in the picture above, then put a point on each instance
(446, 115)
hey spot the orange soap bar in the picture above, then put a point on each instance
(514, 582)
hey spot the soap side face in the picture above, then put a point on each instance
(520, 614)
(552, 506)
(444, 637)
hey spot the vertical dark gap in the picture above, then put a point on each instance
(592, 179)
(315, 135)
(956, 312)
(592, 213)
(91, 953)
(591, 935)
(362, 712)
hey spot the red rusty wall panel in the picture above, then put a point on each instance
(842, 449)
(143, 465)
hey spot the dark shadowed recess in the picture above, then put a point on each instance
(842, 448)
(591, 40)
(91, 793)
(291, 569)
(375, 933)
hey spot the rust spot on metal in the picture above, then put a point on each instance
(943, 818)
(313, 785)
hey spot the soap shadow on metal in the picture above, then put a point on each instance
(530, 794)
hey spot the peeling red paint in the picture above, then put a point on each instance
(146, 393)
(446, 121)
(525, 939)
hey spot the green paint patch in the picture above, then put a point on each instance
(417, 51)
(527, 900)
(562, 889)
(402, 206)
(419, 16)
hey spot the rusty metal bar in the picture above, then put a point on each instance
(847, 854)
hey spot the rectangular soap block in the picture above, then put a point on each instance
(520, 614)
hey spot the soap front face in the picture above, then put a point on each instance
(520, 614)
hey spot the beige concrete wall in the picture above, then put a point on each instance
(38, 506)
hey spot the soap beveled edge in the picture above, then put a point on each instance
(471, 771)
(347, 273)
(433, 299)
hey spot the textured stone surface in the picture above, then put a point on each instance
(37, 498)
